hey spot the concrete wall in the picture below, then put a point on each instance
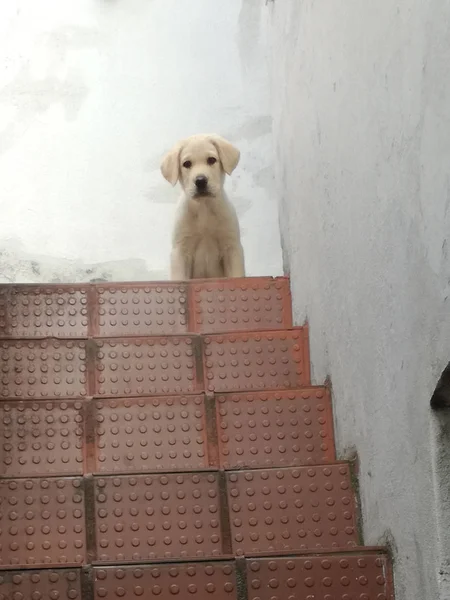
(92, 93)
(361, 106)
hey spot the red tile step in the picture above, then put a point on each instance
(30, 311)
(36, 369)
(185, 580)
(48, 584)
(165, 433)
(248, 304)
(147, 366)
(133, 518)
(133, 309)
(189, 364)
(257, 361)
(146, 517)
(42, 522)
(44, 437)
(147, 309)
(358, 575)
(254, 429)
(292, 509)
(142, 366)
(275, 429)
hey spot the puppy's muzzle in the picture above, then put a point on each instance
(201, 184)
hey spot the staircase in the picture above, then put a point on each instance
(163, 440)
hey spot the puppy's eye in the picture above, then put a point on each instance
(211, 160)
(187, 164)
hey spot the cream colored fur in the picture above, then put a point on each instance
(206, 237)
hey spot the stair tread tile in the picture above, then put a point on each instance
(338, 576)
(275, 429)
(43, 522)
(291, 509)
(42, 437)
(246, 304)
(63, 584)
(216, 579)
(256, 361)
(145, 517)
(51, 368)
(127, 309)
(31, 311)
(150, 434)
(146, 366)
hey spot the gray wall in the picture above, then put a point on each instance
(361, 107)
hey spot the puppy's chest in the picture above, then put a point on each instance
(206, 224)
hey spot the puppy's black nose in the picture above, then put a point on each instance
(201, 182)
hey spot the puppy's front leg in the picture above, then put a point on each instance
(180, 269)
(233, 262)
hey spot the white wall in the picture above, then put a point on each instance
(92, 93)
(361, 101)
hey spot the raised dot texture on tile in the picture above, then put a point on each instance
(281, 510)
(42, 522)
(144, 517)
(142, 309)
(154, 430)
(256, 361)
(148, 434)
(242, 305)
(185, 580)
(30, 311)
(36, 369)
(146, 366)
(359, 576)
(46, 584)
(266, 429)
(41, 437)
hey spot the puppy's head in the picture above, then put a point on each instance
(200, 163)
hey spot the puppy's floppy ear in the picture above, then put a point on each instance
(229, 155)
(170, 165)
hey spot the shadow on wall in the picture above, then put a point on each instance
(441, 395)
(440, 441)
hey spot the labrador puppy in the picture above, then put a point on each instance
(206, 238)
